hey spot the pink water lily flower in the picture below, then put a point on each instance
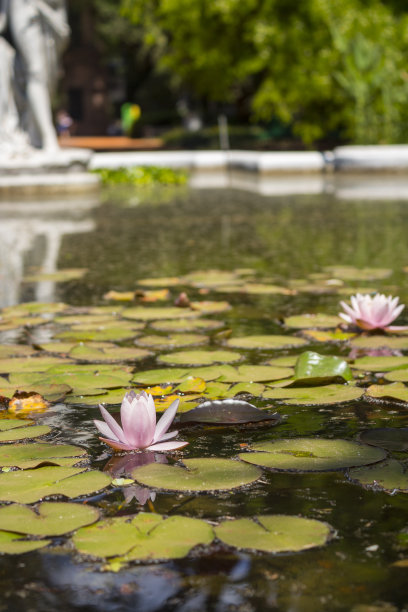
(139, 428)
(371, 312)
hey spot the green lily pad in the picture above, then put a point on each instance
(12, 430)
(312, 321)
(312, 454)
(210, 278)
(15, 350)
(29, 308)
(29, 364)
(27, 456)
(59, 348)
(86, 319)
(228, 412)
(394, 391)
(186, 325)
(160, 376)
(61, 276)
(13, 544)
(143, 313)
(82, 383)
(273, 533)
(380, 364)
(390, 438)
(256, 373)
(11, 324)
(254, 289)
(29, 486)
(216, 390)
(111, 397)
(375, 342)
(112, 333)
(310, 396)
(167, 281)
(191, 358)
(51, 392)
(288, 361)
(172, 341)
(351, 273)
(207, 307)
(320, 335)
(265, 342)
(397, 376)
(390, 475)
(48, 518)
(87, 352)
(144, 537)
(255, 389)
(315, 369)
(206, 474)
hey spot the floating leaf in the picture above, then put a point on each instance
(327, 336)
(25, 403)
(313, 321)
(312, 454)
(351, 273)
(88, 353)
(143, 537)
(205, 474)
(172, 341)
(395, 391)
(257, 373)
(18, 429)
(375, 342)
(111, 397)
(168, 281)
(50, 392)
(144, 313)
(48, 518)
(29, 308)
(120, 296)
(200, 357)
(27, 456)
(397, 376)
(29, 486)
(255, 389)
(273, 533)
(390, 438)
(60, 348)
(186, 325)
(211, 278)
(103, 333)
(192, 384)
(15, 350)
(380, 364)
(228, 412)
(328, 394)
(389, 475)
(283, 362)
(207, 307)
(265, 342)
(30, 364)
(61, 276)
(160, 376)
(86, 319)
(13, 544)
(315, 369)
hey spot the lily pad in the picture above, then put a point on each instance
(172, 341)
(29, 308)
(319, 335)
(375, 342)
(186, 325)
(13, 544)
(61, 276)
(310, 396)
(256, 373)
(206, 307)
(204, 474)
(312, 321)
(192, 384)
(228, 412)
(30, 364)
(255, 389)
(141, 313)
(191, 358)
(48, 518)
(390, 475)
(160, 376)
(29, 486)
(390, 438)
(351, 273)
(111, 398)
(50, 392)
(265, 342)
(15, 350)
(167, 281)
(27, 456)
(397, 376)
(287, 361)
(273, 533)
(88, 353)
(109, 333)
(12, 430)
(312, 454)
(394, 391)
(380, 364)
(144, 537)
(315, 369)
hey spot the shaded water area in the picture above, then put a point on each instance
(281, 240)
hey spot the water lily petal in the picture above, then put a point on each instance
(105, 430)
(118, 445)
(113, 425)
(136, 421)
(168, 446)
(165, 421)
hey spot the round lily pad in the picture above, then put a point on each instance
(111, 397)
(99, 334)
(50, 392)
(273, 533)
(48, 518)
(167, 281)
(311, 396)
(30, 364)
(27, 456)
(207, 307)
(380, 364)
(312, 321)
(15, 350)
(390, 438)
(27, 308)
(358, 274)
(142, 313)
(228, 412)
(375, 342)
(205, 474)
(172, 341)
(160, 376)
(199, 357)
(320, 335)
(395, 391)
(12, 430)
(87, 352)
(13, 544)
(265, 342)
(29, 486)
(397, 376)
(256, 373)
(391, 475)
(186, 325)
(144, 537)
(310, 455)
(315, 369)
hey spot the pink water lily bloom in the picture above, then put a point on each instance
(139, 428)
(371, 312)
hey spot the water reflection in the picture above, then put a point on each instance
(31, 233)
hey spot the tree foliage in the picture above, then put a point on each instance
(319, 65)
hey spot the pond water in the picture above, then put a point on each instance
(285, 241)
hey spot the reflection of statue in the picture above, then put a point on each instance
(34, 32)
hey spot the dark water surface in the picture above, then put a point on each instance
(285, 237)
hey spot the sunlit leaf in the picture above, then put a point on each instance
(394, 391)
(313, 321)
(390, 475)
(13, 544)
(26, 456)
(172, 341)
(265, 342)
(328, 394)
(186, 325)
(315, 369)
(380, 363)
(12, 430)
(191, 358)
(48, 518)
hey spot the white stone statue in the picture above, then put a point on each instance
(33, 34)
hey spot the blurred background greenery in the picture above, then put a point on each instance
(286, 74)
